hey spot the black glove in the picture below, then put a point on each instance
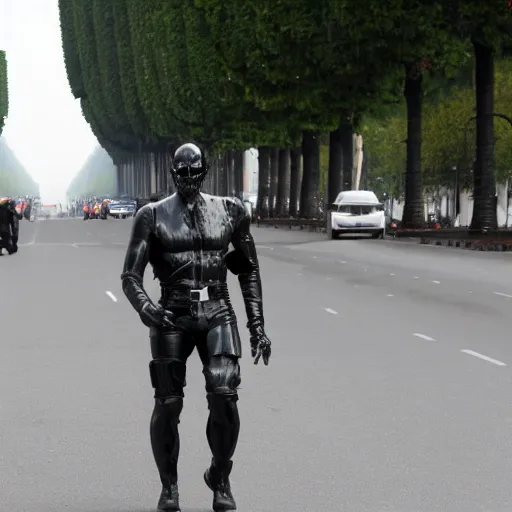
(260, 345)
(155, 316)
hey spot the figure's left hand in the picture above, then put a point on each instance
(260, 346)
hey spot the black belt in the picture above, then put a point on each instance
(210, 292)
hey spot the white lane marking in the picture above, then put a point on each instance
(264, 246)
(415, 277)
(423, 336)
(341, 261)
(111, 295)
(299, 274)
(506, 295)
(391, 274)
(75, 246)
(390, 295)
(436, 282)
(331, 311)
(314, 257)
(328, 278)
(485, 358)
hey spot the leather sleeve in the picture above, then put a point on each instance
(15, 223)
(249, 270)
(137, 258)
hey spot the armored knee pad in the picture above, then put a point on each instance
(167, 378)
(222, 375)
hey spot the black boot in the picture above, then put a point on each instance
(169, 499)
(165, 442)
(217, 479)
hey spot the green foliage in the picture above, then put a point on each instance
(489, 22)
(4, 91)
(97, 176)
(127, 80)
(283, 56)
(14, 179)
(147, 38)
(70, 48)
(114, 114)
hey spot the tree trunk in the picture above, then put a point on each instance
(310, 175)
(484, 191)
(295, 155)
(216, 176)
(283, 184)
(238, 166)
(347, 142)
(223, 175)
(120, 184)
(414, 208)
(263, 182)
(274, 177)
(334, 173)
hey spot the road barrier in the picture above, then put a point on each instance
(463, 238)
(311, 224)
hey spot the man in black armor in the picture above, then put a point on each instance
(185, 238)
(9, 226)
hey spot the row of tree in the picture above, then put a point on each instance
(14, 179)
(276, 75)
(97, 176)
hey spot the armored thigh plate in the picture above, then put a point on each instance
(167, 377)
(224, 340)
(222, 375)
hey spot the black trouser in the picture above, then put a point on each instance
(211, 327)
(7, 241)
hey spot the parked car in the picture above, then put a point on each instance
(122, 208)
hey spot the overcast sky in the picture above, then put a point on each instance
(45, 127)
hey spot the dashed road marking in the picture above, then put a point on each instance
(436, 282)
(342, 261)
(390, 295)
(111, 295)
(423, 336)
(415, 277)
(506, 295)
(391, 274)
(331, 311)
(484, 358)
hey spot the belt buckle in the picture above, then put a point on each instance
(200, 295)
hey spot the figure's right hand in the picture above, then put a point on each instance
(155, 316)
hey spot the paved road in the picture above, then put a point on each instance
(368, 405)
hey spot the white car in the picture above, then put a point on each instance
(122, 209)
(358, 212)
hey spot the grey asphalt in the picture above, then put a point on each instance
(368, 404)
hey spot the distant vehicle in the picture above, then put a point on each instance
(48, 211)
(120, 208)
(356, 211)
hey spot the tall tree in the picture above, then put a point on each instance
(488, 25)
